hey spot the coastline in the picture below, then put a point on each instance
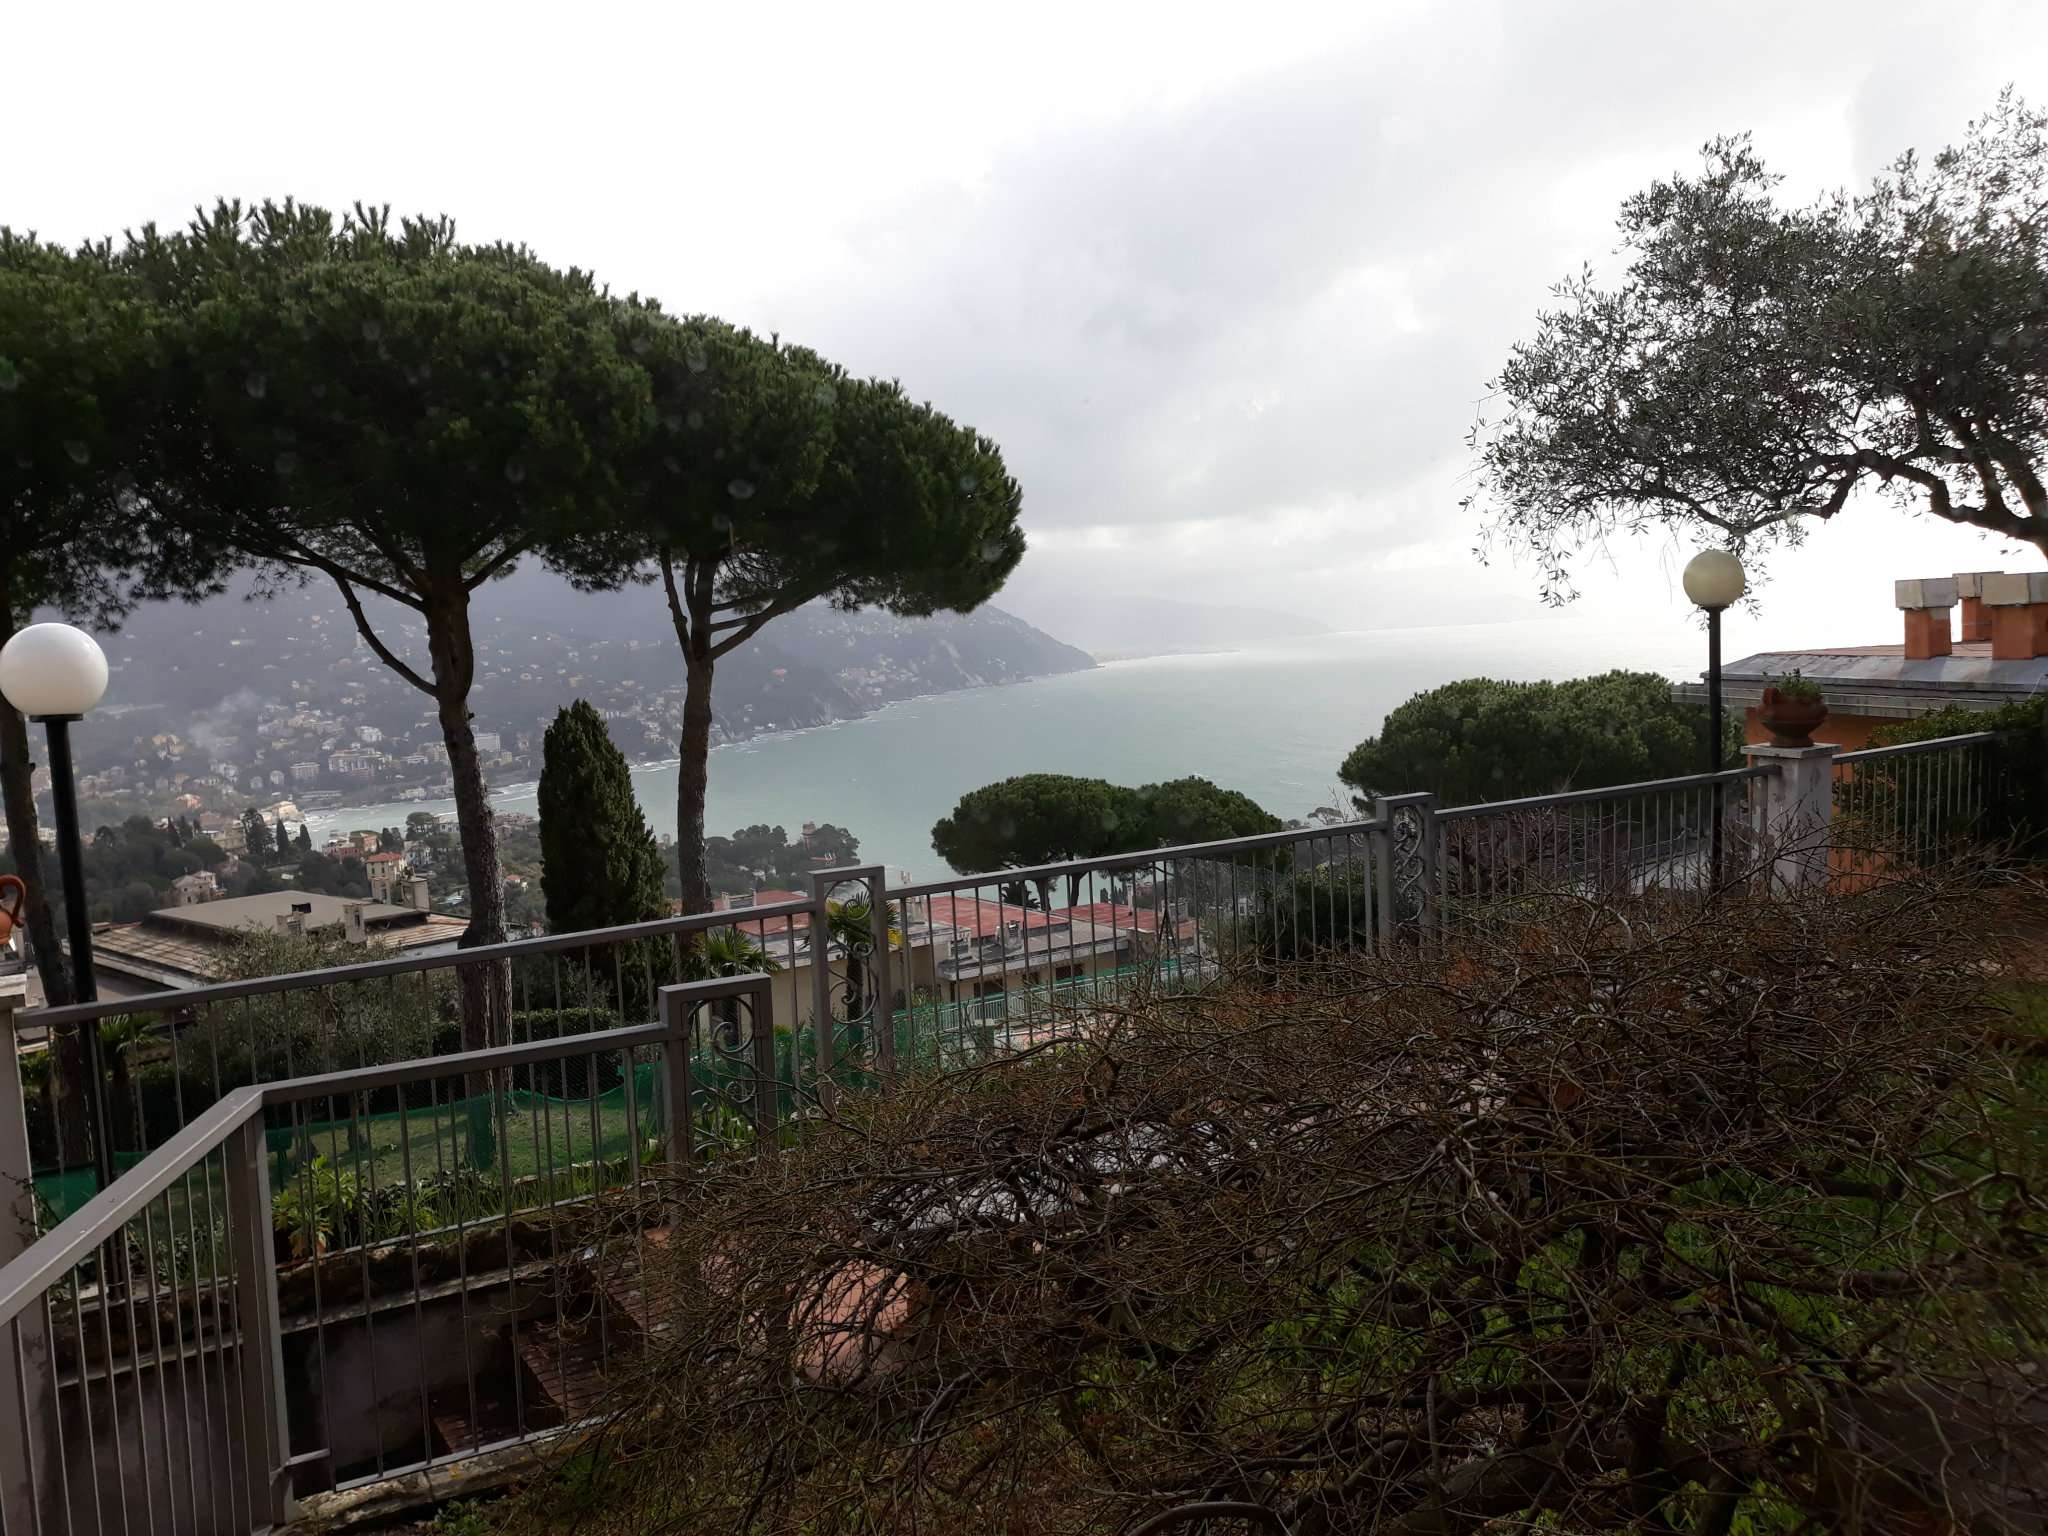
(1294, 710)
(527, 789)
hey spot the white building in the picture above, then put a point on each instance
(305, 773)
(191, 890)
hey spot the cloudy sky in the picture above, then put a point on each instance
(1225, 282)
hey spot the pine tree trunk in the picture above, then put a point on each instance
(693, 775)
(17, 789)
(486, 990)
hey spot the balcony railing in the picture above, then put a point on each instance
(341, 1246)
(337, 1279)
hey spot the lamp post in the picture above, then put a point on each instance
(1714, 580)
(54, 674)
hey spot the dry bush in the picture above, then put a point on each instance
(1612, 1218)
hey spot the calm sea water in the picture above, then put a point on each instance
(1273, 721)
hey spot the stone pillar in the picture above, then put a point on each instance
(1796, 816)
(1926, 603)
(27, 1378)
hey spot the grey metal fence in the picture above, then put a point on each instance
(982, 964)
(1920, 802)
(168, 1056)
(333, 1279)
(1673, 836)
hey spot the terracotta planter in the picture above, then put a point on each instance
(1791, 722)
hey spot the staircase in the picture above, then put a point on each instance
(563, 1364)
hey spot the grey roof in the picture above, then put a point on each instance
(1879, 680)
(130, 959)
(259, 914)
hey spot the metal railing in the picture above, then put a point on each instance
(1920, 802)
(1672, 836)
(1019, 954)
(170, 1055)
(334, 1279)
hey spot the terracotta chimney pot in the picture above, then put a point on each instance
(2018, 602)
(1926, 602)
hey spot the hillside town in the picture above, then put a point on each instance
(281, 703)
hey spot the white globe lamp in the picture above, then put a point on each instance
(1714, 579)
(52, 670)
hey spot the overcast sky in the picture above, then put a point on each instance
(1226, 283)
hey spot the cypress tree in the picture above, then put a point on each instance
(599, 863)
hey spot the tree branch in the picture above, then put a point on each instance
(384, 652)
(292, 552)
(666, 558)
(744, 629)
(496, 563)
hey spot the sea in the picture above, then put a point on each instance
(1273, 720)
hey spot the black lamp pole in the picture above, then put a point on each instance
(1714, 729)
(70, 855)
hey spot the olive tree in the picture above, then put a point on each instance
(405, 416)
(770, 479)
(1759, 364)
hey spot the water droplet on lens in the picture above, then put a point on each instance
(739, 490)
(514, 471)
(694, 420)
(287, 463)
(10, 377)
(257, 386)
(640, 345)
(127, 502)
(372, 330)
(993, 551)
(698, 362)
(827, 395)
(77, 451)
(969, 484)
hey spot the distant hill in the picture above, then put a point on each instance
(215, 671)
(1153, 626)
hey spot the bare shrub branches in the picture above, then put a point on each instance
(1621, 1216)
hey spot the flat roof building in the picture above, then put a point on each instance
(190, 946)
